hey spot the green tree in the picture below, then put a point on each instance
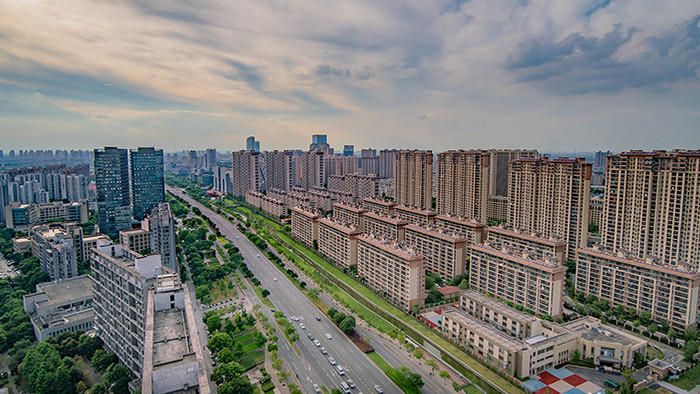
(444, 374)
(219, 341)
(348, 324)
(576, 355)
(117, 378)
(265, 293)
(418, 353)
(225, 355)
(102, 360)
(213, 323)
(690, 349)
(88, 345)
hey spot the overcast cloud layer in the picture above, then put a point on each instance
(553, 75)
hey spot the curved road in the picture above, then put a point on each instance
(311, 366)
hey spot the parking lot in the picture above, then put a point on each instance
(5, 269)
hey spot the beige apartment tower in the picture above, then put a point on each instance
(279, 171)
(246, 172)
(652, 206)
(413, 178)
(463, 183)
(551, 198)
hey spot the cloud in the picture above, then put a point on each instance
(580, 64)
(323, 70)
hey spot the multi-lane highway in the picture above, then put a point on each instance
(311, 366)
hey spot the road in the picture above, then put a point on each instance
(311, 366)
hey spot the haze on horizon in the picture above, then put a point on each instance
(429, 74)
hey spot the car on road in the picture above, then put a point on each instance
(378, 389)
(302, 326)
(331, 360)
(340, 370)
(346, 388)
(317, 343)
(329, 336)
(318, 318)
(351, 383)
(323, 350)
(274, 279)
(316, 388)
(294, 318)
(311, 337)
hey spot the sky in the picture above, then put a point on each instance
(426, 74)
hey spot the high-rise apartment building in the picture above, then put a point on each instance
(652, 206)
(386, 163)
(349, 150)
(313, 169)
(413, 180)
(551, 198)
(338, 242)
(112, 185)
(499, 167)
(211, 158)
(147, 182)
(444, 252)
(250, 144)
(320, 142)
(370, 161)
(246, 172)
(161, 224)
(279, 172)
(463, 183)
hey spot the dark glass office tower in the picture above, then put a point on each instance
(147, 184)
(112, 183)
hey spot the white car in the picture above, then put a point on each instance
(302, 326)
(317, 343)
(340, 370)
(329, 336)
(294, 318)
(316, 388)
(379, 389)
(323, 350)
(275, 279)
(351, 383)
(258, 256)
(331, 360)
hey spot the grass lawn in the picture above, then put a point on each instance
(471, 389)
(252, 359)
(653, 353)
(381, 363)
(688, 380)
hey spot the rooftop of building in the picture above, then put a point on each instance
(684, 270)
(438, 231)
(386, 203)
(415, 210)
(460, 220)
(338, 225)
(592, 329)
(390, 219)
(133, 231)
(449, 289)
(350, 207)
(400, 249)
(486, 330)
(304, 212)
(171, 343)
(511, 231)
(551, 265)
(65, 291)
(499, 307)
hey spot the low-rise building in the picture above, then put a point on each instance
(521, 345)
(415, 216)
(55, 248)
(668, 292)
(445, 252)
(23, 216)
(380, 206)
(512, 275)
(552, 249)
(58, 307)
(393, 270)
(349, 214)
(472, 229)
(385, 226)
(337, 242)
(305, 226)
(21, 245)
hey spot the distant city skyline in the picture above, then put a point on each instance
(439, 75)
